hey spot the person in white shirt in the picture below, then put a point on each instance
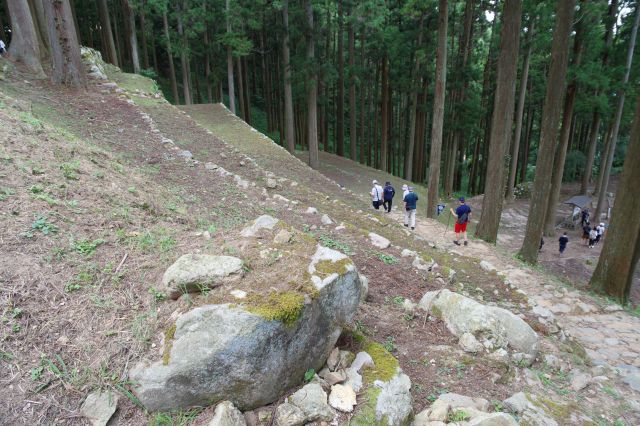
(3, 48)
(593, 234)
(405, 191)
(376, 195)
(600, 229)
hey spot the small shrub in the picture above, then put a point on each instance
(390, 344)
(158, 295)
(329, 242)
(41, 224)
(387, 259)
(6, 193)
(458, 416)
(70, 170)
(398, 300)
(309, 374)
(86, 247)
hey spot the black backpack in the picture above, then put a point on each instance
(462, 219)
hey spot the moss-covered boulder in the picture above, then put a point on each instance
(196, 272)
(251, 351)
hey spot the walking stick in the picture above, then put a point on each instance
(447, 228)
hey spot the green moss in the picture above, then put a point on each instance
(168, 344)
(366, 414)
(435, 311)
(327, 267)
(558, 411)
(285, 307)
(386, 365)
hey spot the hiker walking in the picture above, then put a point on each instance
(563, 240)
(585, 217)
(593, 234)
(3, 48)
(410, 201)
(586, 229)
(376, 195)
(462, 214)
(405, 190)
(600, 228)
(388, 194)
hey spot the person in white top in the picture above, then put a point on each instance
(405, 191)
(3, 48)
(600, 229)
(376, 195)
(593, 234)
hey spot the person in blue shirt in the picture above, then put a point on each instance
(463, 215)
(410, 201)
(564, 240)
(388, 193)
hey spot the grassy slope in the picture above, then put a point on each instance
(96, 204)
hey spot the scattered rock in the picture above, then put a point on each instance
(408, 253)
(354, 379)
(523, 405)
(99, 406)
(580, 381)
(361, 361)
(262, 222)
(282, 237)
(289, 415)
(469, 343)
(408, 305)
(379, 241)
(461, 401)
(421, 265)
(312, 210)
(465, 315)
(364, 282)
(271, 183)
(326, 220)
(553, 361)
(332, 360)
(193, 272)
(493, 419)
(93, 63)
(227, 414)
(342, 398)
(242, 183)
(238, 294)
(312, 400)
(333, 377)
(487, 266)
(210, 166)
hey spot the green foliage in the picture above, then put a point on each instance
(6, 193)
(458, 415)
(390, 344)
(70, 170)
(309, 374)
(157, 294)
(329, 242)
(387, 258)
(43, 225)
(574, 166)
(86, 247)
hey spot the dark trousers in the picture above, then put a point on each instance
(376, 204)
(387, 205)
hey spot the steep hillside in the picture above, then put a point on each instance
(103, 189)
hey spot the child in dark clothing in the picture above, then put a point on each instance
(564, 240)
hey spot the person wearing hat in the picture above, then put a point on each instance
(376, 195)
(410, 201)
(405, 190)
(462, 214)
(389, 193)
(600, 229)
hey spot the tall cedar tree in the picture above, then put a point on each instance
(549, 131)
(24, 47)
(613, 140)
(107, 35)
(438, 111)
(621, 250)
(312, 85)
(288, 97)
(501, 121)
(230, 87)
(65, 49)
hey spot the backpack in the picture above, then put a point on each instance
(462, 219)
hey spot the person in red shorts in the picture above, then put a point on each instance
(462, 214)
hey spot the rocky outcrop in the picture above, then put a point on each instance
(93, 63)
(457, 409)
(263, 222)
(379, 241)
(196, 272)
(238, 353)
(494, 327)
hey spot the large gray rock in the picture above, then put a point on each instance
(379, 241)
(93, 63)
(528, 409)
(394, 402)
(98, 407)
(193, 272)
(493, 419)
(227, 414)
(224, 352)
(464, 315)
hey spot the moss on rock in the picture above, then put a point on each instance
(168, 343)
(285, 307)
(386, 365)
(328, 267)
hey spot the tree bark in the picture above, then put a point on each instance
(184, 60)
(438, 111)
(565, 133)
(608, 160)
(24, 39)
(312, 103)
(172, 68)
(515, 151)
(231, 89)
(408, 165)
(597, 119)
(133, 39)
(143, 35)
(501, 121)
(617, 263)
(384, 112)
(353, 129)
(40, 22)
(288, 95)
(340, 96)
(549, 129)
(107, 35)
(65, 49)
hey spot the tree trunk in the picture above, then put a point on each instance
(608, 160)
(172, 68)
(133, 39)
(340, 96)
(24, 39)
(107, 35)
(288, 95)
(207, 66)
(438, 110)
(186, 90)
(40, 22)
(231, 89)
(353, 129)
(519, 116)
(565, 132)
(408, 165)
(549, 131)
(614, 273)
(501, 121)
(312, 106)
(595, 124)
(143, 35)
(65, 49)
(384, 112)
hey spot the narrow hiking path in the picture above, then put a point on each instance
(609, 334)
